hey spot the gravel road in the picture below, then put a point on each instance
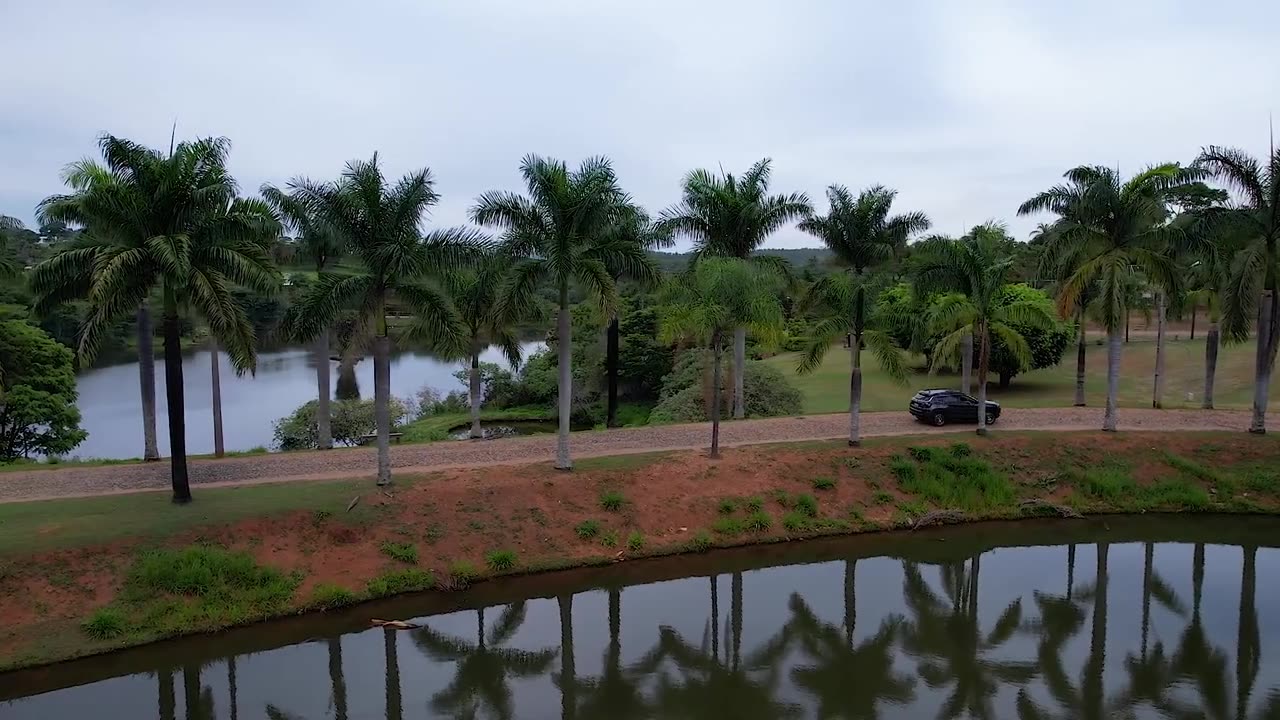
(82, 481)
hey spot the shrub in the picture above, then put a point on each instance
(782, 497)
(921, 454)
(726, 506)
(685, 392)
(404, 552)
(635, 542)
(463, 572)
(327, 597)
(824, 483)
(587, 529)
(612, 500)
(727, 526)
(794, 521)
(104, 624)
(39, 413)
(960, 450)
(755, 503)
(400, 581)
(903, 469)
(609, 538)
(350, 421)
(806, 505)
(759, 521)
(882, 497)
(500, 560)
(701, 542)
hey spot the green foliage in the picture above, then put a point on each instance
(914, 509)
(759, 521)
(963, 483)
(1111, 483)
(349, 421)
(728, 526)
(199, 570)
(635, 542)
(404, 552)
(806, 505)
(643, 361)
(902, 468)
(105, 623)
(726, 506)
(38, 414)
(612, 500)
(327, 596)
(686, 396)
(960, 450)
(463, 573)
(701, 542)
(795, 521)
(824, 483)
(882, 497)
(609, 538)
(754, 503)
(587, 529)
(400, 581)
(500, 560)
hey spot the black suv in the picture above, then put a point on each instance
(940, 407)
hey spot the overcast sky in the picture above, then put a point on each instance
(967, 108)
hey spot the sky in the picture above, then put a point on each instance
(966, 108)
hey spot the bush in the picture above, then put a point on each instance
(755, 503)
(349, 422)
(794, 521)
(701, 542)
(806, 505)
(38, 414)
(500, 560)
(612, 500)
(824, 483)
(404, 552)
(104, 624)
(587, 529)
(635, 542)
(686, 392)
(609, 538)
(400, 581)
(726, 506)
(328, 597)
(759, 521)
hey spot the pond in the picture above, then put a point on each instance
(1124, 617)
(111, 407)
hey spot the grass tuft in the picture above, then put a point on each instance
(404, 552)
(728, 526)
(759, 521)
(609, 538)
(701, 542)
(612, 500)
(105, 623)
(463, 573)
(755, 503)
(635, 542)
(806, 505)
(400, 581)
(327, 596)
(587, 529)
(882, 497)
(726, 506)
(824, 483)
(795, 521)
(500, 560)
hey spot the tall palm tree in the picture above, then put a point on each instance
(567, 678)
(1108, 231)
(337, 681)
(862, 236)
(728, 216)
(390, 649)
(615, 693)
(560, 234)
(1252, 288)
(705, 304)
(398, 264)
(167, 224)
(976, 269)
(483, 668)
(322, 246)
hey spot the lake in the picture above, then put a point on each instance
(111, 406)
(1145, 617)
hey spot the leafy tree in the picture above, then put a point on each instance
(632, 226)
(642, 360)
(715, 296)
(728, 216)
(38, 411)
(861, 235)
(1047, 343)
(1251, 289)
(1108, 231)
(976, 267)
(686, 391)
(160, 224)
(398, 264)
(350, 422)
(319, 243)
(562, 233)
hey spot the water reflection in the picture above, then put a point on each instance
(1084, 630)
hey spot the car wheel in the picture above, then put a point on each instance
(939, 419)
(991, 418)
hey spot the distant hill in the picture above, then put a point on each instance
(798, 257)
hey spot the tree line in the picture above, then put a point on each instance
(172, 232)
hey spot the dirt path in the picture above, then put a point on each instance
(355, 462)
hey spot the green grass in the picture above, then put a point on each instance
(824, 483)
(400, 581)
(587, 529)
(404, 552)
(882, 497)
(726, 506)
(635, 542)
(326, 596)
(609, 538)
(913, 508)
(701, 542)
(612, 500)
(437, 427)
(728, 526)
(826, 390)
(500, 560)
(950, 480)
(1110, 483)
(795, 521)
(463, 572)
(105, 623)
(759, 521)
(806, 505)
(755, 503)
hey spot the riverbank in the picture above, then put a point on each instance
(88, 575)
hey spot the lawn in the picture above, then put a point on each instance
(827, 389)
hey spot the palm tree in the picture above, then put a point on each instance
(382, 226)
(483, 667)
(614, 694)
(337, 681)
(715, 296)
(632, 226)
(862, 236)
(394, 704)
(171, 224)
(322, 246)
(1110, 230)
(976, 269)
(1252, 287)
(728, 216)
(560, 234)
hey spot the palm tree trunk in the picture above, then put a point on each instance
(715, 618)
(1126, 327)
(966, 363)
(1071, 570)
(739, 372)
(1195, 308)
(614, 664)
(382, 401)
(1157, 393)
(215, 380)
(473, 388)
(564, 356)
(173, 392)
(337, 682)
(1247, 640)
(1080, 358)
(735, 620)
(394, 704)
(1149, 554)
(611, 370)
(1266, 354)
(984, 358)
(147, 383)
(1210, 364)
(232, 694)
(715, 395)
(568, 671)
(855, 390)
(324, 431)
(1093, 688)
(850, 600)
(166, 700)
(1113, 379)
(191, 691)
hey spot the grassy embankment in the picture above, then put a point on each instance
(81, 576)
(827, 389)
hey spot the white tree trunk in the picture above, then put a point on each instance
(1113, 379)
(966, 363)
(739, 373)
(219, 446)
(474, 390)
(1210, 364)
(855, 391)
(564, 356)
(1262, 368)
(324, 431)
(1157, 393)
(382, 405)
(147, 383)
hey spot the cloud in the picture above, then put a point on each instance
(965, 108)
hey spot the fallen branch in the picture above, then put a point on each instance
(938, 517)
(393, 624)
(353, 502)
(1038, 506)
